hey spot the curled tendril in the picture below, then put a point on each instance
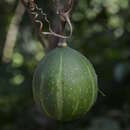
(51, 32)
(36, 12)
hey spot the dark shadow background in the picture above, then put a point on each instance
(102, 33)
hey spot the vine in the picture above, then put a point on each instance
(38, 16)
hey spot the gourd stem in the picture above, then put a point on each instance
(62, 41)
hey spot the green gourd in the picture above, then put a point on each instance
(65, 84)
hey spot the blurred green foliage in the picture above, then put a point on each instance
(102, 33)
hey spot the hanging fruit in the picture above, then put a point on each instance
(65, 84)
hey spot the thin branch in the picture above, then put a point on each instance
(12, 33)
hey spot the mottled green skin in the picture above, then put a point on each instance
(65, 84)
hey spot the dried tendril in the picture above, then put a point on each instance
(36, 12)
